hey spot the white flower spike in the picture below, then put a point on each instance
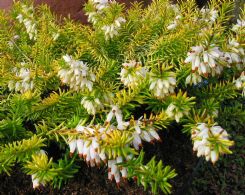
(77, 75)
(202, 137)
(162, 86)
(26, 17)
(239, 26)
(240, 83)
(24, 83)
(132, 73)
(111, 30)
(203, 60)
(115, 111)
(92, 105)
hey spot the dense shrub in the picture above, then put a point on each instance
(101, 90)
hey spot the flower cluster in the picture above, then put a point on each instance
(210, 141)
(173, 111)
(209, 15)
(177, 12)
(100, 4)
(13, 40)
(204, 59)
(132, 73)
(90, 150)
(210, 59)
(88, 141)
(24, 82)
(240, 83)
(91, 104)
(87, 149)
(239, 26)
(94, 103)
(162, 86)
(77, 75)
(116, 112)
(27, 18)
(193, 78)
(235, 54)
(111, 30)
(114, 170)
(175, 8)
(175, 23)
(91, 17)
(143, 131)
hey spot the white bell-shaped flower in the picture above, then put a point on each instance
(193, 78)
(77, 75)
(202, 136)
(92, 104)
(174, 112)
(162, 86)
(111, 30)
(143, 132)
(240, 83)
(24, 83)
(234, 55)
(203, 60)
(132, 73)
(116, 112)
(239, 26)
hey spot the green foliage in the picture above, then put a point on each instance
(41, 166)
(116, 144)
(19, 151)
(66, 170)
(46, 170)
(152, 174)
(12, 129)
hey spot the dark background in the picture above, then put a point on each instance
(74, 7)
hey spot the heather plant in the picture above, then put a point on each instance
(100, 91)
